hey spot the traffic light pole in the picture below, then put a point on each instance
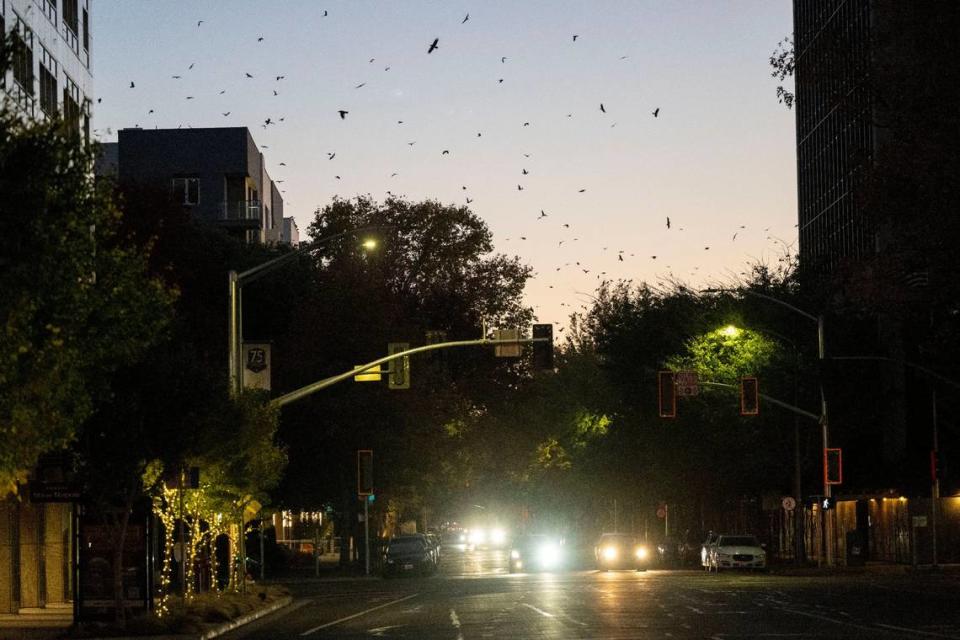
(825, 426)
(303, 392)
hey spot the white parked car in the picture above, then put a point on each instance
(736, 552)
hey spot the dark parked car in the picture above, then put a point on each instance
(409, 554)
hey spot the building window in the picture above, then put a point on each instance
(48, 82)
(49, 8)
(71, 105)
(71, 17)
(186, 191)
(86, 26)
(87, 110)
(23, 56)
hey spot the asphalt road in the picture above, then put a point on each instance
(473, 597)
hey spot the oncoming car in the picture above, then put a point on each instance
(536, 552)
(736, 552)
(621, 551)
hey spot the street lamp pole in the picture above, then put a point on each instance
(824, 421)
(235, 297)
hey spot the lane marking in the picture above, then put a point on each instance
(917, 631)
(545, 614)
(694, 609)
(456, 623)
(878, 627)
(357, 615)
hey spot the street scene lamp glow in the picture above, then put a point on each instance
(370, 244)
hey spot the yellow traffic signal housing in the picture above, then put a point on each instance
(399, 368)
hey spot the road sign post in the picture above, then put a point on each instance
(365, 489)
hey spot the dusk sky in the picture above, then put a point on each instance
(719, 156)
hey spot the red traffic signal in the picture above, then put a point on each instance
(667, 392)
(365, 472)
(749, 396)
(832, 466)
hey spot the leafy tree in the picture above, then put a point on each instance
(78, 301)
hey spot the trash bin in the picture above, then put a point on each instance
(856, 549)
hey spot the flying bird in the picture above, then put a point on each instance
(519, 188)
(575, 37)
(656, 112)
(343, 114)
(331, 156)
(189, 97)
(283, 164)
(132, 85)
(445, 152)
(360, 85)
(469, 200)
(601, 108)
(668, 222)
(581, 191)
(268, 121)
(503, 59)
(433, 45)
(149, 112)
(465, 18)
(620, 257)
(260, 39)
(191, 66)
(543, 214)
(275, 92)
(525, 172)
(734, 237)
(279, 78)
(223, 92)
(199, 22)
(226, 114)
(248, 75)
(566, 226)
(176, 77)
(526, 124)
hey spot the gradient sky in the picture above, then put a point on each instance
(720, 155)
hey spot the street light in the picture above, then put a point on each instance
(235, 297)
(824, 421)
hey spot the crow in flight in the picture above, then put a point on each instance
(343, 114)
(433, 45)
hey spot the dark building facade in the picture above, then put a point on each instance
(835, 132)
(878, 175)
(218, 174)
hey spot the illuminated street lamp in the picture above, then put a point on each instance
(235, 296)
(824, 422)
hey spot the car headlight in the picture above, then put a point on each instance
(549, 555)
(641, 552)
(478, 536)
(515, 554)
(463, 538)
(609, 553)
(498, 536)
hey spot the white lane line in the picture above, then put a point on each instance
(545, 614)
(878, 627)
(456, 623)
(694, 609)
(357, 615)
(917, 631)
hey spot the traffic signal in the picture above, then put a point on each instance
(832, 466)
(399, 368)
(365, 472)
(827, 503)
(667, 392)
(543, 351)
(749, 396)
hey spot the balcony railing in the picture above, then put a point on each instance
(245, 210)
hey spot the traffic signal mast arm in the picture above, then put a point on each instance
(302, 392)
(779, 403)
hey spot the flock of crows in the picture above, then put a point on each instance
(431, 48)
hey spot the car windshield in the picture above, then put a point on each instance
(738, 541)
(617, 539)
(405, 545)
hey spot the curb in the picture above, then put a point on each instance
(247, 619)
(222, 628)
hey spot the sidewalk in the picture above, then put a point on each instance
(870, 568)
(36, 623)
